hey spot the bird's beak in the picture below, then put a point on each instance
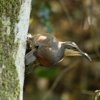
(74, 50)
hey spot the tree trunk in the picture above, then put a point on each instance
(14, 22)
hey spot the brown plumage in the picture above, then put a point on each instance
(49, 51)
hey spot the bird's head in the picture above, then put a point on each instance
(72, 49)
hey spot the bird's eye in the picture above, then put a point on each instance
(36, 46)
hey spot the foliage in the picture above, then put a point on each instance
(78, 21)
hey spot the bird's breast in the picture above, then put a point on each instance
(48, 56)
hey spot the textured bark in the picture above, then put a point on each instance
(14, 22)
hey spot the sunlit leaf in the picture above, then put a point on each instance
(46, 72)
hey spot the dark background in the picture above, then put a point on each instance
(76, 78)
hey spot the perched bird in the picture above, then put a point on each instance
(49, 51)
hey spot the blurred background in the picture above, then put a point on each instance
(76, 78)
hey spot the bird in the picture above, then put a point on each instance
(48, 50)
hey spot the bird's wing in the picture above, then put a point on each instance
(29, 57)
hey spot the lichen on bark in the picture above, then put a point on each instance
(9, 83)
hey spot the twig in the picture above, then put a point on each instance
(87, 92)
(66, 11)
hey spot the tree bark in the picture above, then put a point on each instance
(14, 22)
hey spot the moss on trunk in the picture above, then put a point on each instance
(9, 83)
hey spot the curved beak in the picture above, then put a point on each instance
(72, 49)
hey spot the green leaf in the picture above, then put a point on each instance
(46, 72)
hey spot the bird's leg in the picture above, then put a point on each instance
(30, 57)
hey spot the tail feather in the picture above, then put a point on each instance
(29, 58)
